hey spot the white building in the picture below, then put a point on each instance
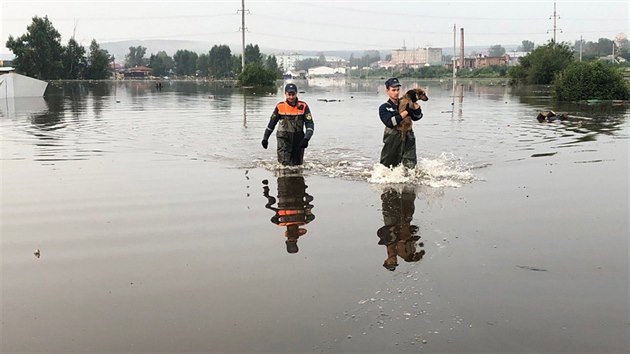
(326, 71)
(416, 58)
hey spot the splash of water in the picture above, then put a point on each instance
(443, 171)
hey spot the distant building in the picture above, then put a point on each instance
(385, 64)
(138, 72)
(485, 61)
(326, 71)
(416, 58)
(336, 62)
(286, 62)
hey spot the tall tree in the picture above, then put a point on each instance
(542, 64)
(526, 46)
(73, 60)
(185, 62)
(203, 64)
(220, 61)
(135, 57)
(496, 51)
(161, 63)
(272, 64)
(38, 53)
(237, 64)
(98, 62)
(252, 54)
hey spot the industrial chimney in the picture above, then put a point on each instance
(462, 62)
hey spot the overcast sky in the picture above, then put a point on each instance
(321, 25)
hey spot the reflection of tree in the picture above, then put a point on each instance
(50, 119)
(293, 208)
(397, 234)
(100, 91)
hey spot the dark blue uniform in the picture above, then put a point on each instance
(397, 150)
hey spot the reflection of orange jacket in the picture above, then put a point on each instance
(294, 206)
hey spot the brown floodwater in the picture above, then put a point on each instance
(137, 220)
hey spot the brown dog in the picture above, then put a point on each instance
(408, 98)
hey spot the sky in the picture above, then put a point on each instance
(321, 25)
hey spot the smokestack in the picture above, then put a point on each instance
(461, 51)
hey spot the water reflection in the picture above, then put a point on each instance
(397, 234)
(293, 208)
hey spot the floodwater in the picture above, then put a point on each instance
(137, 220)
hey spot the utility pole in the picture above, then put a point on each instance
(613, 53)
(243, 29)
(581, 41)
(555, 27)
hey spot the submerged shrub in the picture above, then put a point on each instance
(592, 80)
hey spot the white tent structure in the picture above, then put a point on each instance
(16, 85)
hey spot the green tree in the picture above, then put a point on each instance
(526, 46)
(257, 75)
(496, 51)
(185, 62)
(237, 64)
(135, 57)
(220, 58)
(272, 64)
(73, 60)
(38, 53)
(98, 63)
(203, 64)
(161, 63)
(541, 64)
(590, 80)
(252, 54)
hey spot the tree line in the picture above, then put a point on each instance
(39, 53)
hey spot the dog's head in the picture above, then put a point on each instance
(417, 94)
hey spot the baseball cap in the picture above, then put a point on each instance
(290, 88)
(393, 82)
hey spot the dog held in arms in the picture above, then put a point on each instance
(408, 98)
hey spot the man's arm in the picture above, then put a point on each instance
(389, 116)
(273, 120)
(414, 113)
(308, 122)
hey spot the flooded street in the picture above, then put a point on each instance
(138, 220)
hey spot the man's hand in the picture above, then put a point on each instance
(304, 143)
(411, 108)
(265, 143)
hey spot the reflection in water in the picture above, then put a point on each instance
(293, 209)
(398, 235)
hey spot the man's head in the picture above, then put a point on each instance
(290, 92)
(393, 88)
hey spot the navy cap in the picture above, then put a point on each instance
(393, 82)
(290, 88)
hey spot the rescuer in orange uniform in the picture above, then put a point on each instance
(293, 115)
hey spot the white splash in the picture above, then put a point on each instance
(443, 171)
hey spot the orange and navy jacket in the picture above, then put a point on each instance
(292, 117)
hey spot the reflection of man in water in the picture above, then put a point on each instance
(293, 209)
(398, 235)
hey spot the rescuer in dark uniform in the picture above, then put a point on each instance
(398, 235)
(293, 115)
(397, 149)
(293, 209)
